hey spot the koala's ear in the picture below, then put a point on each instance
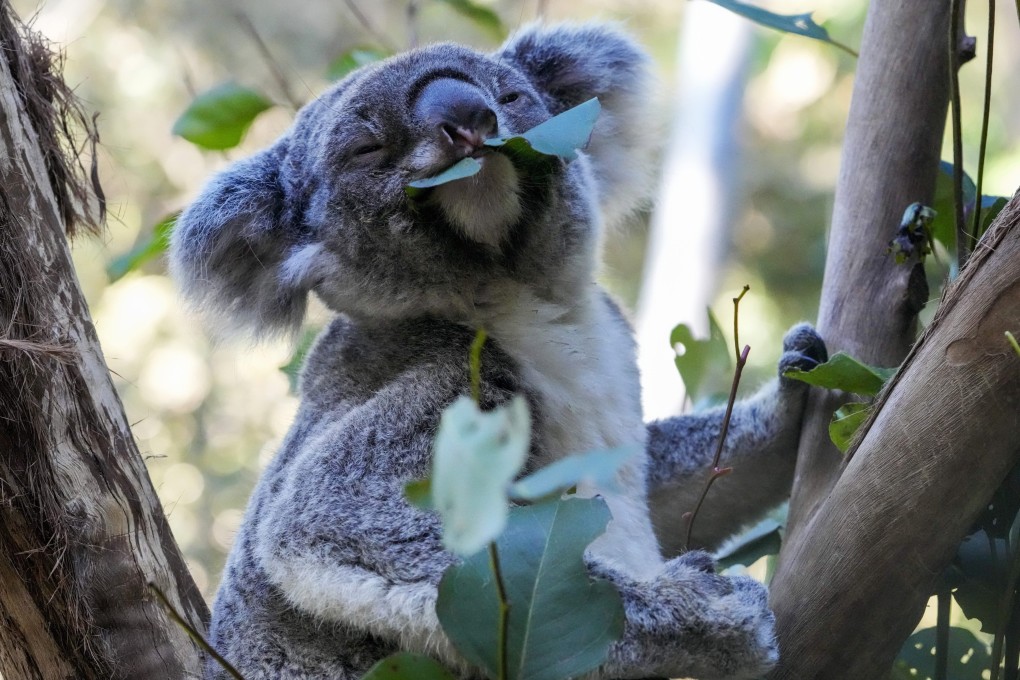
(239, 252)
(571, 63)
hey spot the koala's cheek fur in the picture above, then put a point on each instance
(484, 206)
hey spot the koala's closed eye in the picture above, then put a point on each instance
(508, 98)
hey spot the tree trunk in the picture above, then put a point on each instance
(941, 440)
(869, 304)
(82, 532)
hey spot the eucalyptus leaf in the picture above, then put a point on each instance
(561, 623)
(764, 538)
(798, 24)
(982, 564)
(845, 422)
(352, 60)
(562, 135)
(843, 372)
(943, 227)
(598, 468)
(217, 119)
(991, 206)
(144, 251)
(701, 362)
(292, 369)
(968, 656)
(476, 455)
(406, 666)
(465, 167)
(418, 493)
(480, 15)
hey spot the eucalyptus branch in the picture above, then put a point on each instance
(192, 633)
(274, 66)
(716, 472)
(975, 229)
(955, 30)
(504, 611)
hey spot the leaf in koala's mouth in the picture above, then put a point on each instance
(561, 136)
(465, 167)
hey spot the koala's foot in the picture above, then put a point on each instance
(803, 349)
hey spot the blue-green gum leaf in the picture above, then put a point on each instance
(466, 167)
(144, 251)
(596, 467)
(476, 455)
(561, 623)
(407, 666)
(798, 24)
(845, 422)
(701, 360)
(217, 119)
(843, 372)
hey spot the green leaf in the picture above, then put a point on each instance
(562, 135)
(292, 369)
(143, 251)
(991, 206)
(352, 60)
(981, 569)
(765, 538)
(943, 227)
(406, 666)
(847, 419)
(561, 623)
(700, 362)
(596, 467)
(466, 167)
(482, 16)
(218, 119)
(843, 372)
(476, 456)
(798, 24)
(968, 656)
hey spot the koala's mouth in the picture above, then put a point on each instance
(486, 205)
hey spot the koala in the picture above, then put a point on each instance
(332, 569)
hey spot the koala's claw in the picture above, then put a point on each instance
(803, 349)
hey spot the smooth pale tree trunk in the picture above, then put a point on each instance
(82, 533)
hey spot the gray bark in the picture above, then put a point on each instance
(82, 532)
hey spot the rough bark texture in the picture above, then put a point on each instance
(869, 304)
(81, 529)
(941, 441)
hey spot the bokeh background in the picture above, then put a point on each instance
(209, 416)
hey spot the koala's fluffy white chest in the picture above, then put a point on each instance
(580, 360)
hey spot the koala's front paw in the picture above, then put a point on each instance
(733, 629)
(804, 349)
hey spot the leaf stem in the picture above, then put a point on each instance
(192, 633)
(481, 335)
(846, 48)
(976, 228)
(1012, 339)
(736, 321)
(962, 244)
(504, 611)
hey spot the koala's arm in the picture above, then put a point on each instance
(761, 448)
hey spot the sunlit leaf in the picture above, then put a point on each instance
(598, 468)
(843, 372)
(561, 623)
(968, 656)
(798, 24)
(845, 422)
(476, 455)
(480, 15)
(143, 251)
(700, 361)
(218, 119)
(562, 135)
(352, 60)
(406, 666)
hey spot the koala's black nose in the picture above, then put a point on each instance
(458, 113)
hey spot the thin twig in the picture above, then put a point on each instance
(274, 66)
(193, 634)
(504, 611)
(475, 359)
(368, 26)
(736, 321)
(962, 244)
(975, 229)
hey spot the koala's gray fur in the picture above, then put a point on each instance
(332, 569)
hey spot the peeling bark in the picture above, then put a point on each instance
(82, 532)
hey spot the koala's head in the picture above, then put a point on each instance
(324, 209)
